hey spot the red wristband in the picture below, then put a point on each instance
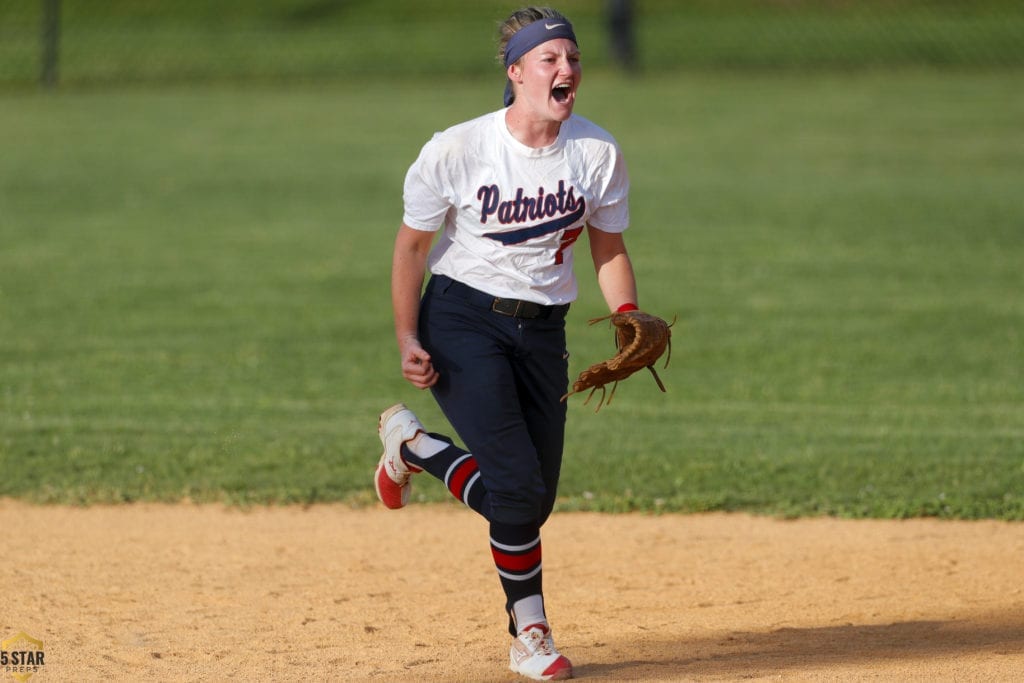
(627, 307)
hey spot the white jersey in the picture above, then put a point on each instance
(510, 212)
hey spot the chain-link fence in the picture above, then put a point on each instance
(115, 41)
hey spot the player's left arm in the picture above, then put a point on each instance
(614, 270)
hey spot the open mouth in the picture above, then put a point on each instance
(561, 92)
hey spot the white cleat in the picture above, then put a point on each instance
(396, 425)
(533, 655)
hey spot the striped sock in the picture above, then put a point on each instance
(516, 550)
(463, 481)
(452, 465)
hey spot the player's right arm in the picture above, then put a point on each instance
(408, 268)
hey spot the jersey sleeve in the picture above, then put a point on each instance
(612, 212)
(424, 194)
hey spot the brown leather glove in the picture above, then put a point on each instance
(640, 339)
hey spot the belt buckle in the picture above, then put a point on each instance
(499, 305)
(516, 308)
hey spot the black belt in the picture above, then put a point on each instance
(517, 308)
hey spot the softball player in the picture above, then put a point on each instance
(509, 192)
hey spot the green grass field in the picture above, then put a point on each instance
(118, 41)
(194, 292)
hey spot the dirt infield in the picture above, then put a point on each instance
(328, 593)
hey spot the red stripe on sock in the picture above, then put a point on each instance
(517, 563)
(460, 476)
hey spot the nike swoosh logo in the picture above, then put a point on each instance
(551, 26)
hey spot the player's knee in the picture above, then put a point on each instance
(521, 507)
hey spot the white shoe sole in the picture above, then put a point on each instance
(392, 437)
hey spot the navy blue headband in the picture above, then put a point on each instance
(529, 37)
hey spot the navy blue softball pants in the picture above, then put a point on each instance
(503, 369)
